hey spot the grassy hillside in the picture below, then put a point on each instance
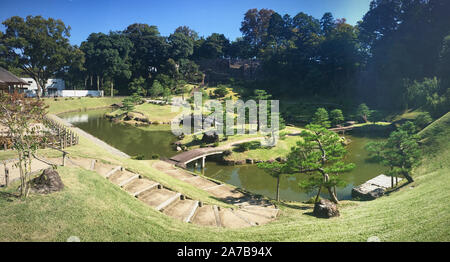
(95, 210)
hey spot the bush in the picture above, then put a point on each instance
(202, 145)
(216, 144)
(423, 120)
(336, 117)
(249, 146)
(221, 91)
(139, 157)
(155, 156)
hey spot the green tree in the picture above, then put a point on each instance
(157, 89)
(400, 152)
(321, 118)
(138, 86)
(38, 46)
(363, 111)
(336, 117)
(150, 50)
(221, 91)
(128, 104)
(182, 46)
(423, 120)
(166, 94)
(274, 169)
(108, 57)
(320, 153)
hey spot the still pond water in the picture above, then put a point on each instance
(158, 139)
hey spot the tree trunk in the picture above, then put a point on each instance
(112, 89)
(318, 194)
(278, 188)
(408, 177)
(333, 196)
(98, 83)
(392, 181)
(39, 89)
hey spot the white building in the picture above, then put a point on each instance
(52, 86)
(56, 87)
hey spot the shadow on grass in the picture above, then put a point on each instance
(293, 206)
(8, 197)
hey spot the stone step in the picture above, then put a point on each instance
(155, 197)
(168, 202)
(231, 220)
(81, 162)
(93, 161)
(266, 212)
(252, 218)
(224, 191)
(179, 174)
(192, 212)
(138, 186)
(131, 179)
(217, 215)
(201, 182)
(205, 216)
(103, 169)
(113, 171)
(121, 177)
(180, 210)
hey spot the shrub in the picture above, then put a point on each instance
(423, 120)
(249, 146)
(216, 144)
(321, 118)
(155, 156)
(139, 157)
(336, 117)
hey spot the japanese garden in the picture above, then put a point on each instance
(303, 128)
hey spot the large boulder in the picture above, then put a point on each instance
(325, 209)
(48, 182)
(367, 191)
(209, 138)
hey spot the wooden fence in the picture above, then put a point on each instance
(59, 136)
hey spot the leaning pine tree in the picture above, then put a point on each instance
(23, 119)
(320, 155)
(401, 152)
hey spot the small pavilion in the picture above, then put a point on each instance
(9, 82)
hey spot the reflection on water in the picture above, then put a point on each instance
(131, 140)
(82, 118)
(257, 181)
(157, 140)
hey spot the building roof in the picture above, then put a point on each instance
(8, 78)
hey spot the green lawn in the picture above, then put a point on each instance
(159, 113)
(74, 104)
(93, 209)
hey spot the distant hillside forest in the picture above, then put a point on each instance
(397, 57)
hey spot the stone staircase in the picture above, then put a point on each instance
(248, 212)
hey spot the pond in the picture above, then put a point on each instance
(158, 139)
(146, 141)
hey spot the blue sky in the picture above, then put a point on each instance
(205, 17)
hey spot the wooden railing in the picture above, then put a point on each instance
(58, 137)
